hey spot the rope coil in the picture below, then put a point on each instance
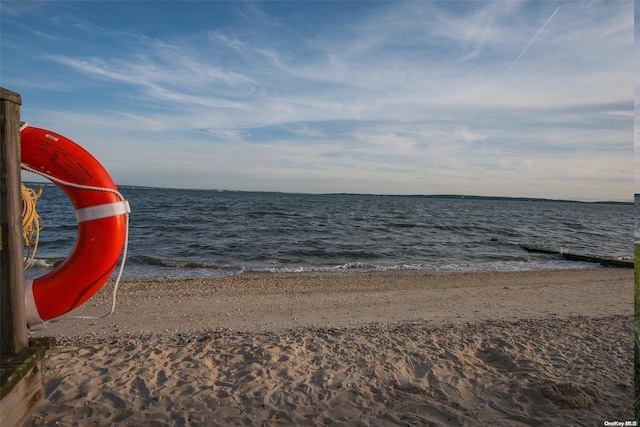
(31, 223)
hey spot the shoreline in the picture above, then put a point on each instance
(269, 301)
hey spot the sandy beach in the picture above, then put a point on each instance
(382, 349)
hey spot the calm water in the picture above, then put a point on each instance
(190, 233)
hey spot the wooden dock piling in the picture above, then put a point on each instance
(21, 365)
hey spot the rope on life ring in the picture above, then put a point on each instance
(102, 214)
(31, 222)
(125, 246)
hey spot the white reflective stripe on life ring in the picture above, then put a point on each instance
(103, 211)
(31, 313)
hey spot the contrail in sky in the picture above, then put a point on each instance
(530, 43)
(518, 58)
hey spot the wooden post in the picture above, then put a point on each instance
(13, 323)
(22, 384)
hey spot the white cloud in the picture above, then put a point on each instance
(407, 94)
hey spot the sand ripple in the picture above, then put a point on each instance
(573, 371)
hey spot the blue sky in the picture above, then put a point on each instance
(508, 98)
(636, 98)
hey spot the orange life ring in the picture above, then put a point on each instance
(101, 224)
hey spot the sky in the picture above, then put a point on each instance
(636, 97)
(505, 98)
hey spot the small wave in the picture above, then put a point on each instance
(351, 266)
(517, 265)
(147, 260)
(177, 264)
(46, 262)
(272, 213)
(326, 254)
(404, 225)
(197, 269)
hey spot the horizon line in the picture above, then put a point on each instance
(344, 193)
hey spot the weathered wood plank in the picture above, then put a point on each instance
(45, 342)
(22, 385)
(15, 367)
(13, 331)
